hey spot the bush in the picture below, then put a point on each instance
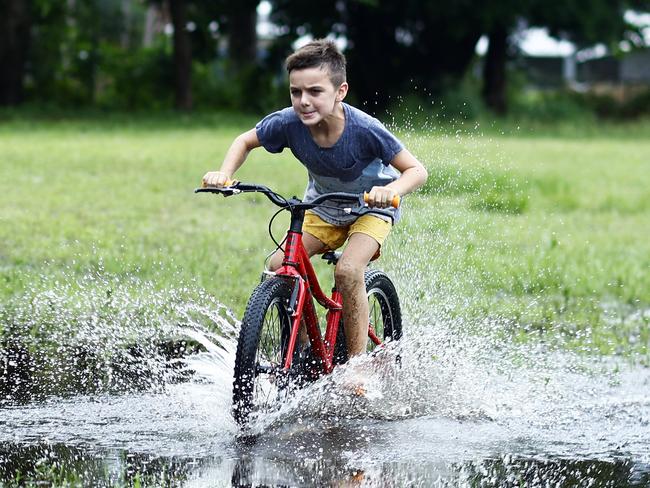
(459, 102)
(637, 106)
(214, 85)
(607, 106)
(548, 106)
(139, 79)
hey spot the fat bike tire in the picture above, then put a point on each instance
(385, 313)
(261, 349)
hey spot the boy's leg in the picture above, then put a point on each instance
(349, 277)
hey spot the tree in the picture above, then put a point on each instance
(602, 22)
(392, 45)
(239, 20)
(15, 24)
(241, 17)
(494, 69)
(182, 56)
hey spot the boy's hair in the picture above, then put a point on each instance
(317, 54)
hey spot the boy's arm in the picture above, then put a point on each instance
(413, 176)
(235, 157)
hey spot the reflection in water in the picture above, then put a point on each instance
(60, 464)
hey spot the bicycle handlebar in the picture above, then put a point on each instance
(234, 187)
(237, 187)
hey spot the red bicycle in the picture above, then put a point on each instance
(269, 362)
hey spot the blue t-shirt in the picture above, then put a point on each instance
(359, 160)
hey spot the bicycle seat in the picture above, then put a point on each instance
(332, 257)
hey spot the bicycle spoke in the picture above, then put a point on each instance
(380, 315)
(270, 356)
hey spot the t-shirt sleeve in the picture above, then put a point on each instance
(271, 132)
(385, 143)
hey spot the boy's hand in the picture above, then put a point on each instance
(216, 179)
(381, 197)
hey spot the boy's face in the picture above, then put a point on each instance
(313, 96)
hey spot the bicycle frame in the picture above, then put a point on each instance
(297, 265)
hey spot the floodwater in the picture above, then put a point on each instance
(459, 409)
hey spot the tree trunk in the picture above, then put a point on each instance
(14, 41)
(494, 71)
(242, 38)
(182, 56)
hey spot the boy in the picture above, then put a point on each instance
(344, 150)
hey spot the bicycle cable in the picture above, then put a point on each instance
(278, 246)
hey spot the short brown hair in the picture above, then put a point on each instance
(319, 53)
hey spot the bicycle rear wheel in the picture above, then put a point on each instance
(384, 309)
(259, 381)
(385, 314)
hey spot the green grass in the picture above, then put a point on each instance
(548, 230)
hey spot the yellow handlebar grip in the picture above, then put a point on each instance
(394, 203)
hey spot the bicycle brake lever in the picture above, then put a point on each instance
(226, 191)
(351, 210)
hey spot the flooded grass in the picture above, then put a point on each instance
(521, 266)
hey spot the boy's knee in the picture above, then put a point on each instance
(348, 272)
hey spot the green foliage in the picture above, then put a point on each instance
(462, 105)
(550, 105)
(91, 53)
(609, 107)
(253, 89)
(135, 79)
(564, 104)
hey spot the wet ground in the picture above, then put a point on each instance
(438, 419)
(463, 406)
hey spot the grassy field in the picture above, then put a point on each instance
(545, 228)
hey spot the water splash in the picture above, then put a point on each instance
(445, 402)
(103, 333)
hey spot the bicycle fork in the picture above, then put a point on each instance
(302, 307)
(297, 265)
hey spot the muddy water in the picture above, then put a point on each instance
(458, 410)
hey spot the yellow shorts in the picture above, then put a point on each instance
(334, 236)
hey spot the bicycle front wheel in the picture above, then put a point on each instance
(262, 349)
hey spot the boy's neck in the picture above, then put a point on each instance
(327, 132)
